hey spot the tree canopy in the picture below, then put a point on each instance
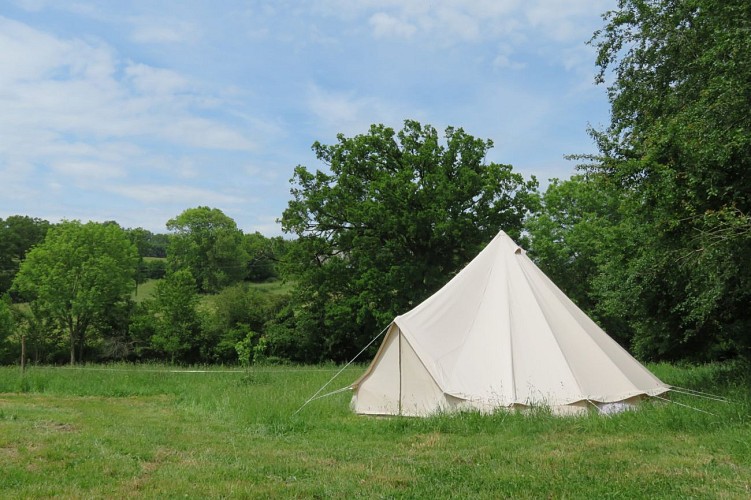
(209, 244)
(76, 276)
(177, 324)
(679, 148)
(18, 234)
(6, 321)
(392, 218)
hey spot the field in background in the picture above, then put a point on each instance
(146, 290)
(125, 431)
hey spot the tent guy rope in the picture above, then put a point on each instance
(315, 396)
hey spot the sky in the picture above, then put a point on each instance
(135, 111)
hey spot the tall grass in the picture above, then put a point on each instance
(150, 431)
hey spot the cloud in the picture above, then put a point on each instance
(450, 23)
(178, 195)
(64, 87)
(81, 122)
(385, 26)
(148, 30)
(107, 103)
(87, 171)
(32, 5)
(147, 79)
(504, 58)
(349, 113)
(562, 22)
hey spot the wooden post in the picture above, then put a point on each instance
(23, 353)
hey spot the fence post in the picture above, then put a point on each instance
(23, 353)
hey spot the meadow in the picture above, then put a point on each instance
(156, 431)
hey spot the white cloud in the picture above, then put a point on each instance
(159, 30)
(178, 195)
(32, 5)
(80, 122)
(385, 26)
(505, 58)
(266, 175)
(348, 113)
(204, 133)
(448, 23)
(76, 87)
(458, 23)
(88, 171)
(17, 185)
(26, 54)
(561, 21)
(147, 79)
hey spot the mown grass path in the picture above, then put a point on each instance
(150, 432)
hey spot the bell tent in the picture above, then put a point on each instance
(500, 334)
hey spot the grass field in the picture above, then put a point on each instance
(146, 431)
(146, 290)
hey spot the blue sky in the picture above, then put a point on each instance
(137, 110)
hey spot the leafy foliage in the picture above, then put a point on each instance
(209, 244)
(575, 238)
(76, 276)
(238, 314)
(679, 147)
(263, 256)
(177, 325)
(18, 234)
(394, 218)
(7, 326)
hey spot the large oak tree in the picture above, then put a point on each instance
(391, 218)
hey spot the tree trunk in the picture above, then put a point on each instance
(80, 347)
(72, 349)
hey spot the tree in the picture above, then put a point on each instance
(209, 244)
(140, 238)
(396, 216)
(177, 324)
(231, 315)
(76, 275)
(679, 146)
(572, 239)
(263, 256)
(7, 326)
(18, 234)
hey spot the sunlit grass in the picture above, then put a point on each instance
(144, 290)
(152, 431)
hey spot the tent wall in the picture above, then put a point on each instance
(397, 383)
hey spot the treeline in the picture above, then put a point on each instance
(68, 289)
(652, 238)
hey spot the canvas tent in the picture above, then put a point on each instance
(500, 334)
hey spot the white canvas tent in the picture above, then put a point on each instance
(500, 334)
